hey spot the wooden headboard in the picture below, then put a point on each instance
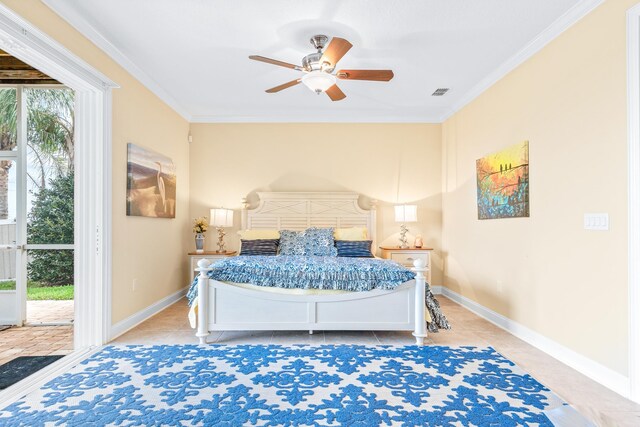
(297, 211)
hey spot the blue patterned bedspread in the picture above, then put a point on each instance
(309, 272)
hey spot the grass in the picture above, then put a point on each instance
(37, 292)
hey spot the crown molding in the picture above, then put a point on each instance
(559, 26)
(573, 15)
(296, 117)
(66, 11)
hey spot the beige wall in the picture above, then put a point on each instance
(387, 162)
(546, 271)
(147, 249)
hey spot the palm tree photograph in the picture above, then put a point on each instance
(151, 184)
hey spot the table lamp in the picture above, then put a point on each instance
(221, 218)
(404, 214)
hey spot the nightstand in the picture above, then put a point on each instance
(407, 256)
(211, 256)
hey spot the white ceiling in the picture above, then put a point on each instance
(193, 53)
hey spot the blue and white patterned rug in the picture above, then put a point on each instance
(273, 385)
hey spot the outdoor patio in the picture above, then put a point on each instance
(49, 331)
(39, 312)
(35, 341)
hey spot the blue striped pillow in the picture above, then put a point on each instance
(354, 248)
(259, 247)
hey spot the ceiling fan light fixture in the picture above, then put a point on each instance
(318, 81)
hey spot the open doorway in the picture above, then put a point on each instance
(36, 219)
(92, 189)
(49, 201)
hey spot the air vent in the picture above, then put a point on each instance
(440, 92)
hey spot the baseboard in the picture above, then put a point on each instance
(135, 319)
(594, 370)
(436, 290)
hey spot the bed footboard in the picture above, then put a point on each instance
(402, 309)
(203, 301)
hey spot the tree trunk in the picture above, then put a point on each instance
(5, 165)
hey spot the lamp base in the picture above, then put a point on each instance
(404, 244)
(221, 235)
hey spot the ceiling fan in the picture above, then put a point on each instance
(318, 68)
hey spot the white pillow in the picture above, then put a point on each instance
(352, 233)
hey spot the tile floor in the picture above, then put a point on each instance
(603, 406)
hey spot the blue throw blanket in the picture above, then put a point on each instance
(309, 272)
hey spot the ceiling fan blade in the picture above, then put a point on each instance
(335, 93)
(376, 75)
(335, 51)
(274, 62)
(283, 86)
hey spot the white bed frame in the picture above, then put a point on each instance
(224, 307)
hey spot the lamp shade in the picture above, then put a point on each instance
(221, 217)
(406, 213)
(318, 81)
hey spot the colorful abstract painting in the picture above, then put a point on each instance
(503, 183)
(151, 184)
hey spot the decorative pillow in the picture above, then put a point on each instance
(354, 248)
(352, 233)
(259, 234)
(259, 247)
(312, 241)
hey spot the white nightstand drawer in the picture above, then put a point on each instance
(407, 259)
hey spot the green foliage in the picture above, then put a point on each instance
(58, 293)
(37, 292)
(49, 129)
(50, 150)
(8, 111)
(51, 221)
(8, 285)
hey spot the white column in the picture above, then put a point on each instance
(203, 300)
(420, 331)
(92, 221)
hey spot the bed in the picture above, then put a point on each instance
(224, 306)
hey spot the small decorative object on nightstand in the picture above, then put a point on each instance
(200, 226)
(418, 243)
(406, 257)
(404, 214)
(221, 218)
(211, 256)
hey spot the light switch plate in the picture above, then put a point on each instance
(596, 221)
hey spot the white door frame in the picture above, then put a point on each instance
(92, 169)
(633, 111)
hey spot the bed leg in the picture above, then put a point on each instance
(310, 331)
(420, 331)
(203, 301)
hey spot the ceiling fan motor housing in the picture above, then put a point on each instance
(313, 61)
